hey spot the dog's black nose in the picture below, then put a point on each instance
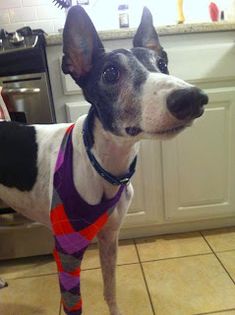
(187, 103)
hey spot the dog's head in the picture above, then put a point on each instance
(131, 90)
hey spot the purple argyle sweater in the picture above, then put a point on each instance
(74, 223)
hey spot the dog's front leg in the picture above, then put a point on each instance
(108, 246)
(108, 243)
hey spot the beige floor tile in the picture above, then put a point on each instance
(126, 255)
(31, 296)
(221, 239)
(221, 313)
(132, 295)
(189, 285)
(169, 246)
(27, 267)
(228, 260)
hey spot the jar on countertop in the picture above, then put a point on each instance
(123, 11)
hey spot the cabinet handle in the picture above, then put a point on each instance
(21, 91)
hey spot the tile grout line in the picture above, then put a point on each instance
(145, 281)
(218, 258)
(176, 257)
(226, 250)
(217, 312)
(118, 265)
(55, 273)
(30, 277)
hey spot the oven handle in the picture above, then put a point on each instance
(21, 91)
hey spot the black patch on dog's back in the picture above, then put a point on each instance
(18, 155)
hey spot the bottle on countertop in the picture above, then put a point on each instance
(180, 11)
(123, 12)
(222, 15)
(214, 11)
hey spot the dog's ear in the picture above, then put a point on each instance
(81, 43)
(146, 35)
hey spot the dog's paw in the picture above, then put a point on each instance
(3, 284)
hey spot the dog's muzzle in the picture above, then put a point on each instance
(188, 103)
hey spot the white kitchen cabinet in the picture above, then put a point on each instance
(147, 205)
(199, 164)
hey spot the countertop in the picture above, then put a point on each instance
(56, 39)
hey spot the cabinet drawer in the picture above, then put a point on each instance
(202, 63)
(76, 109)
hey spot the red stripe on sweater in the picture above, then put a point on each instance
(76, 272)
(76, 307)
(57, 259)
(69, 128)
(60, 222)
(91, 231)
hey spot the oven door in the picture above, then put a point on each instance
(28, 98)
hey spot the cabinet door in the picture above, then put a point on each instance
(147, 204)
(199, 164)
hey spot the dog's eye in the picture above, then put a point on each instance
(111, 75)
(162, 66)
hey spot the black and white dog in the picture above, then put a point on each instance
(132, 96)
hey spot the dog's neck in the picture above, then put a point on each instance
(114, 153)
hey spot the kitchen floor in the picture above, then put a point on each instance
(180, 274)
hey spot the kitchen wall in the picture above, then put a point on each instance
(43, 13)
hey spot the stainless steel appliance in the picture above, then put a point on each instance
(28, 98)
(27, 93)
(24, 76)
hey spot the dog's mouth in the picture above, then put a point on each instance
(134, 131)
(170, 131)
